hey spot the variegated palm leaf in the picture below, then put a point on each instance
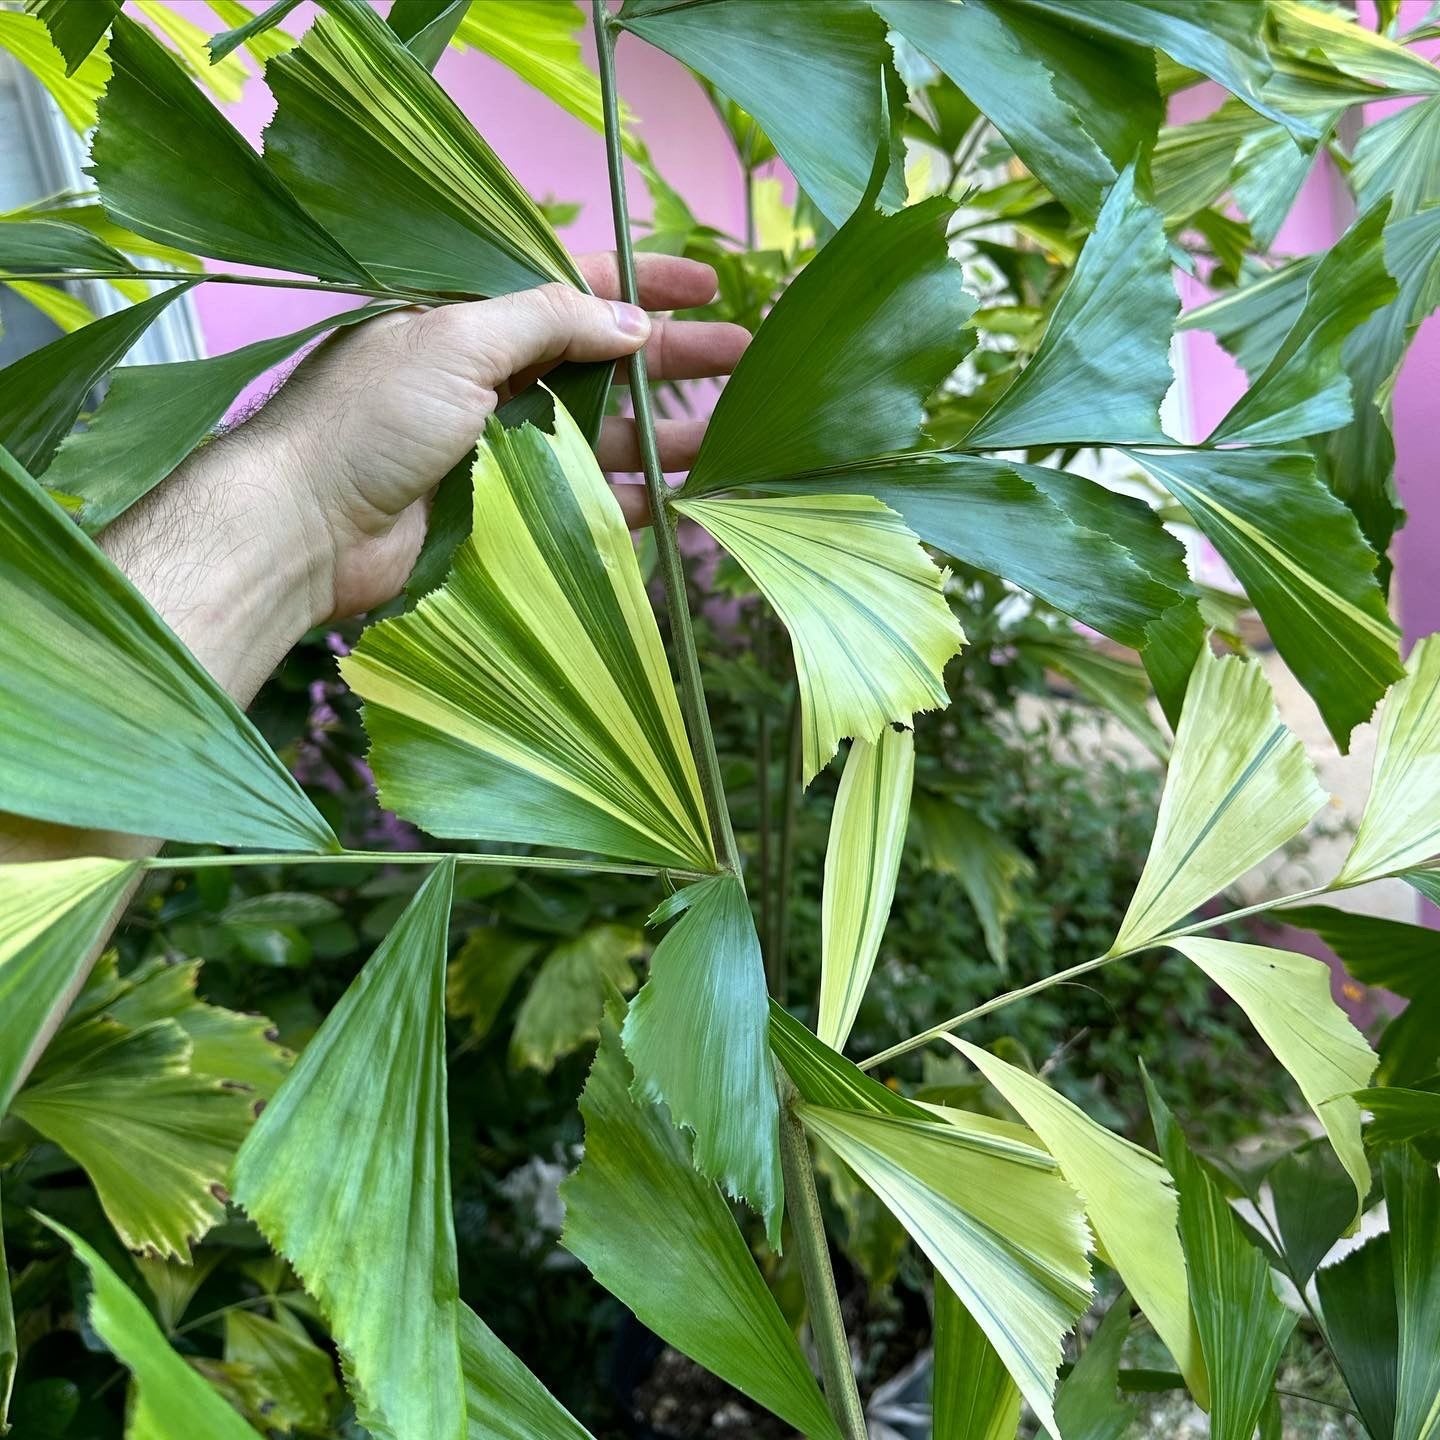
(528, 699)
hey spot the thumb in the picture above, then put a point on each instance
(495, 340)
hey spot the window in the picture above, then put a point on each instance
(42, 157)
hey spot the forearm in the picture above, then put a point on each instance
(209, 551)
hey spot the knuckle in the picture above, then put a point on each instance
(562, 302)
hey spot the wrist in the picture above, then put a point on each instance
(213, 552)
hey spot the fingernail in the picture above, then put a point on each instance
(630, 319)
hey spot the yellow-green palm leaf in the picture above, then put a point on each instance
(155, 1137)
(1239, 785)
(989, 1208)
(864, 604)
(1288, 1000)
(377, 151)
(862, 860)
(1128, 1197)
(76, 92)
(996, 1219)
(528, 699)
(1401, 824)
(52, 915)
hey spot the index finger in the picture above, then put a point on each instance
(667, 282)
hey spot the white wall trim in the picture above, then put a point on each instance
(59, 156)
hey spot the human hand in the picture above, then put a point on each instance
(369, 424)
(316, 507)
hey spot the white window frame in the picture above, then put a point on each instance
(59, 155)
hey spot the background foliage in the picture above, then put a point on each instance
(1029, 825)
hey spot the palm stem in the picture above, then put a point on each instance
(667, 549)
(410, 857)
(827, 1325)
(1061, 977)
(807, 1223)
(219, 277)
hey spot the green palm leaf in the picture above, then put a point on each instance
(349, 1179)
(287, 1379)
(152, 416)
(862, 861)
(1239, 785)
(1103, 366)
(1298, 551)
(561, 1011)
(1401, 958)
(1253, 321)
(1398, 159)
(1362, 1327)
(863, 603)
(111, 723)
(378, 152)
(811, 75)
(973, 1396)
(662, 1239)
(237, 1048)
(1220, 38)
(9, 1342)
(1304, 388)
(529, 699)
(173, 1401)
(1413, 1200)
(204, 190)
(1400, 826)
(1242, 1323)
(1398, 1115)
(76, 26)
(78, 212)
(1106, 558)
(482, 975)
(426, 26)
(53, 246)
(1359, 460)
(1087, 1405)
(42, 393)
(883, 302)
(1116, 685)
(1287, 998)
(698, 1037)
(1351, 48)
(52, 915)
(503, 1400)
(1128, 1198)
(1075, 107)
(259, 34)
